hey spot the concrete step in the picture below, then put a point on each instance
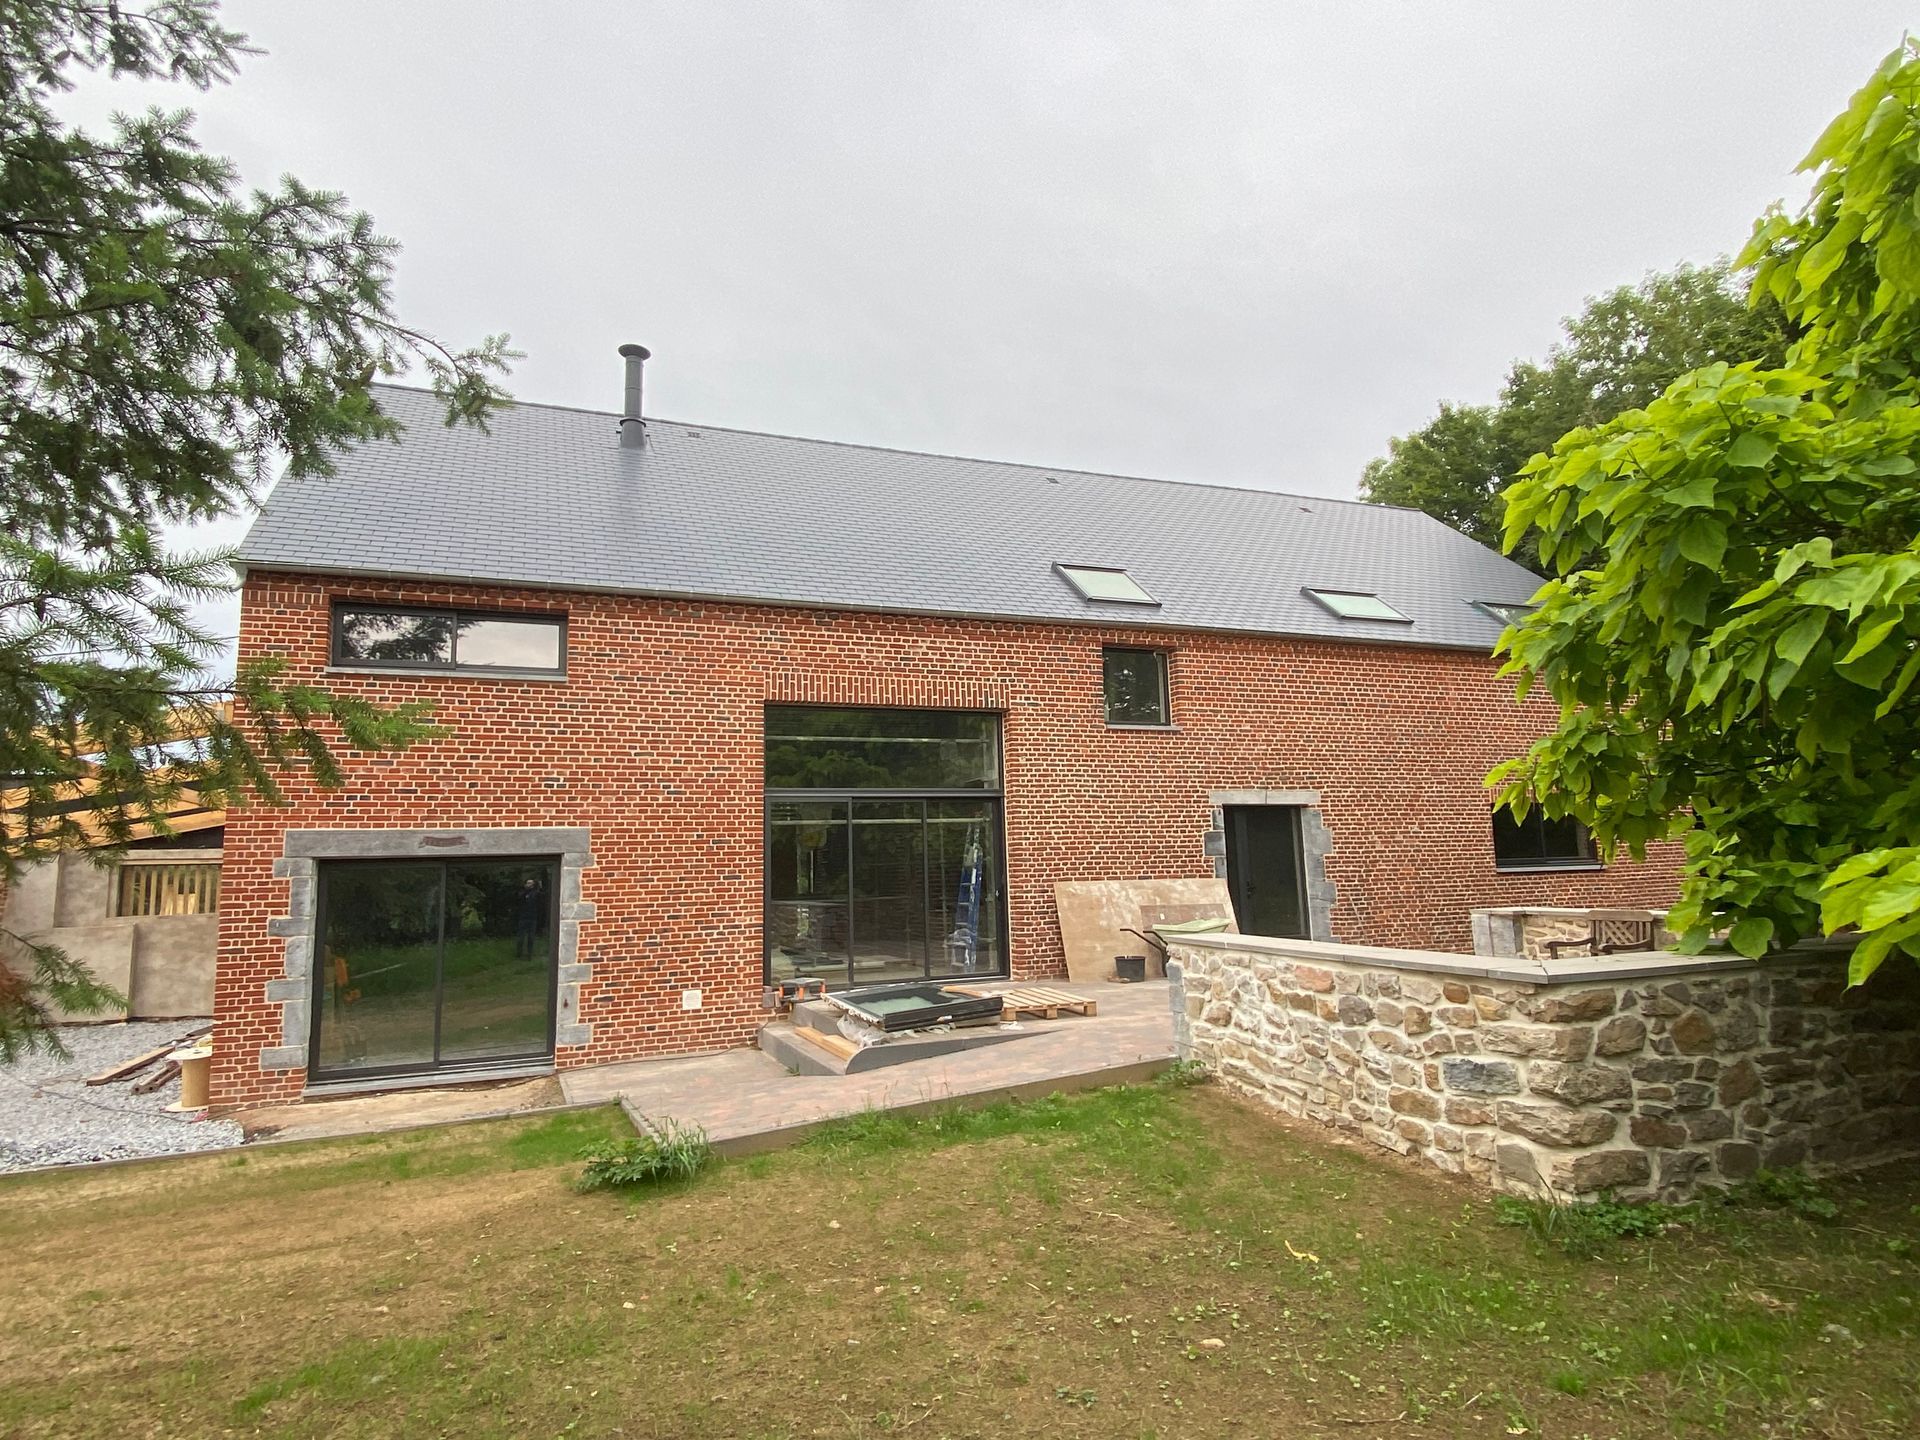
(794, 1047)
(818, 1015)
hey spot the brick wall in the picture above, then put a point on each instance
(654, 742)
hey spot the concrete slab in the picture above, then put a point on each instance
(397, 1110)
(745, 1100)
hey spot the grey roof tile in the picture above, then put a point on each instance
(550, 499)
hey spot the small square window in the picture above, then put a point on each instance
(1356, 605)
(1540, 843)
(1507, 612)
(1136, 687)
(1097, 582)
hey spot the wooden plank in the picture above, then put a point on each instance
(836, 1045)
(133, 1066)
(159, 1077)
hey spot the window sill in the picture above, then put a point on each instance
(442, 672)
(1546, 867)
(1127, 725)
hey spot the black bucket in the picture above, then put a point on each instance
(1129, 968)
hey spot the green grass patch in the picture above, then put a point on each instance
(351, 1373)
(1153, 1259)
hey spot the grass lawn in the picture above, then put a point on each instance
(1152, 1261)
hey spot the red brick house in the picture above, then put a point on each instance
(728, 708)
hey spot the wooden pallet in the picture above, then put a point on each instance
(1035, 1002)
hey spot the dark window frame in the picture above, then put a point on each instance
(994, 796)
(1539, 857)
(1164, 659)
(338, 659)
(318, 1074)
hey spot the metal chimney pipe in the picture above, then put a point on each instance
(633, 429)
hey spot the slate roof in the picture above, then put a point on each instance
(550, 499)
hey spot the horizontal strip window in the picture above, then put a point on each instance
(918, 751)
(406, 638)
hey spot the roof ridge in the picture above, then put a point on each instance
(942, 455)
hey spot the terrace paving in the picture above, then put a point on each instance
(746, 1101)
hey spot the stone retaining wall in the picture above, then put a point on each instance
(1649, 1075)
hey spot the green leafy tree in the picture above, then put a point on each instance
(166, 339)
(1738, 665)
(1617, 354)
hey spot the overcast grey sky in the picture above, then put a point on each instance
(1242, 243)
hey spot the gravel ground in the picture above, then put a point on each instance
(49, 1116)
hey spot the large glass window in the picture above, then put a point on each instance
(429, 964)
(1136, 686)
(869, 885)
(813, 748)
(450, 639)
(1538, 843)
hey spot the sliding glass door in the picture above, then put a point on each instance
(430, 965)
(883, 845)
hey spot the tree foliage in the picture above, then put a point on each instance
(166, 339)
(1618, 353)
(1739, 664)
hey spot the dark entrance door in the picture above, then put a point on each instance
(1265, 876)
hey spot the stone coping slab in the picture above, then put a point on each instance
(1509, 969)
(1573, 911)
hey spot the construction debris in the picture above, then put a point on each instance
(49, 1115)
(1038, 1002)
(130, 1067)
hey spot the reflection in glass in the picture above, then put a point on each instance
(396, 636)
(808, 940)
(963, 848)
(807, 851)
(812, 747)
(424, 964)
(514, 644)
(379, 966)
(889, 891)
(497, 961)
(1136, 687)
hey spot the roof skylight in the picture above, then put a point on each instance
(1507, 612)
(1102, 582)
(1356, 605)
